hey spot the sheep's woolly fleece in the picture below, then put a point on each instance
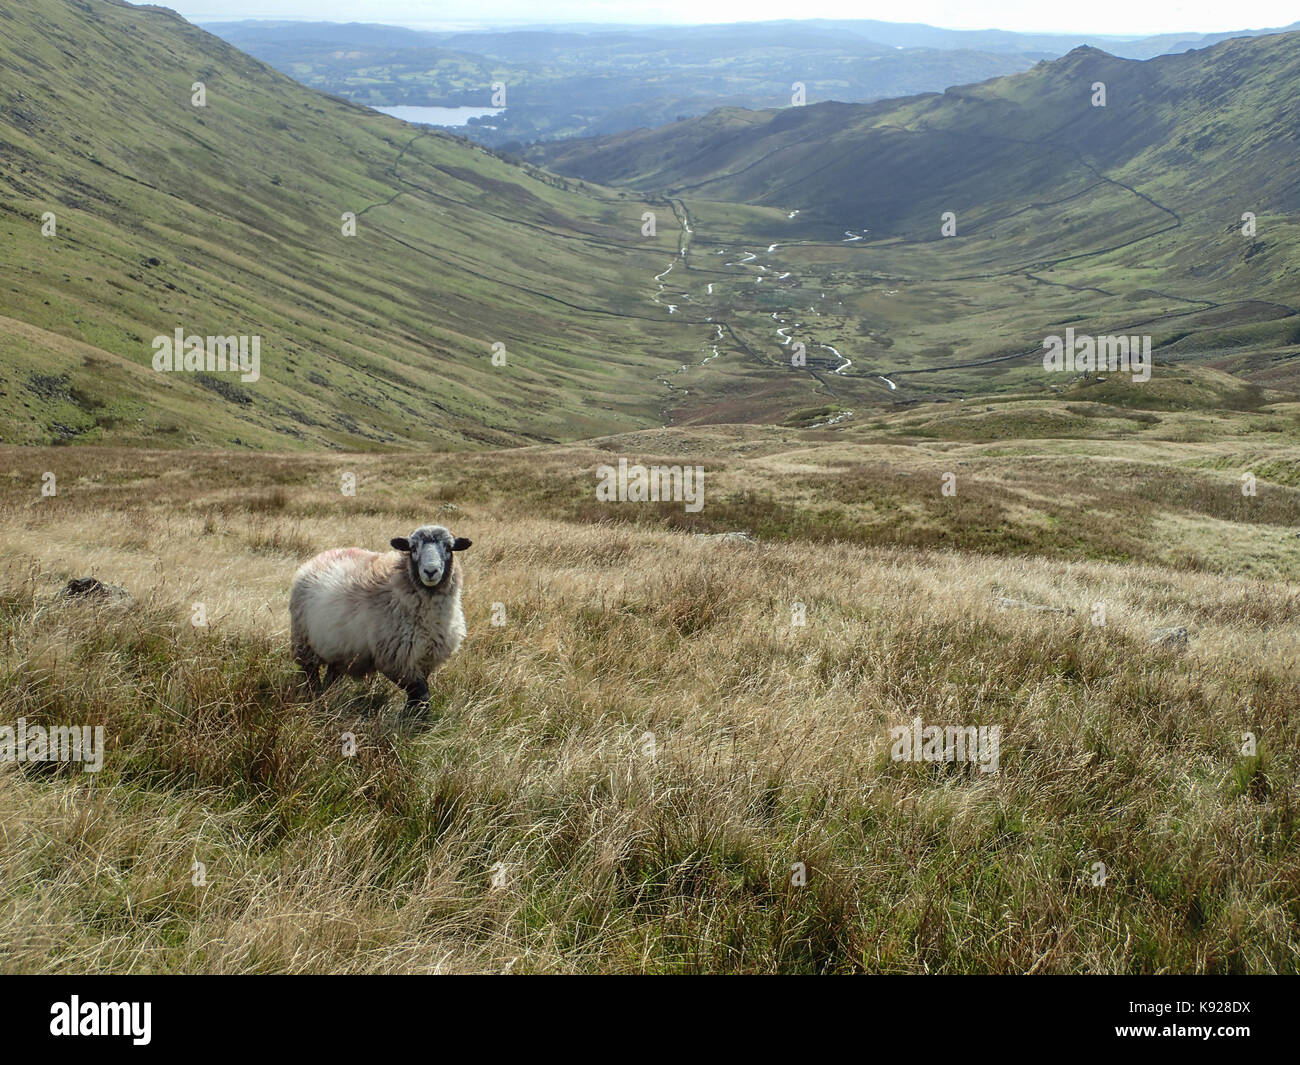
(361, 611)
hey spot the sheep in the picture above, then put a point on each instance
(358, 612)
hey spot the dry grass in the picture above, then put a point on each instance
(770, 745)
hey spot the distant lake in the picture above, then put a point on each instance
(440, 116)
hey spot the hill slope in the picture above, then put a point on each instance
(770, 741)
(226, 219)
(1183, 123)
(1124, 218)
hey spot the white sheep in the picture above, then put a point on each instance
(359, 612)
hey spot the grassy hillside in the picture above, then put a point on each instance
(1174, 125)
(640, 755)
(226, 220)
(824, 225)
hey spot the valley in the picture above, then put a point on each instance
(960, 271)
(763, 247)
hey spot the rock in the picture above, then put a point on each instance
(1175, 636)
(1004, 603)
(91, 589)
(729, 537)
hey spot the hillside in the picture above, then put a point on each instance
(1176, 125)
(227, 220)
(1123, 218)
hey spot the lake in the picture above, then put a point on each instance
(439, 116)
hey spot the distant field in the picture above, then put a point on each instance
(649, 746)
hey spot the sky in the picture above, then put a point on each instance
(1119, 17)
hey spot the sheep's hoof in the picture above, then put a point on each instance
(417, 699)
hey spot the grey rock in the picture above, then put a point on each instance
(92, 590)
(1174, 636)
(729, 537)
(1005, 603)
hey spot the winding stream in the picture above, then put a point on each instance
(784, 330)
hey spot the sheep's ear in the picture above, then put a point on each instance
(401, 543)
(461, 543)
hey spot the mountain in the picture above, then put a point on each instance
(1123, 216)
(813, 229)
(333, 34)
(1164, 150)
(919, 35)
(1168, 43)
(578, 81)
(227, 220)
(1181, 120)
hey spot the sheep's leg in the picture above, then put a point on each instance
(417, 696)
(308, 661)
(312, 673)
(332, 673)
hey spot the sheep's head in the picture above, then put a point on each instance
(428, 551)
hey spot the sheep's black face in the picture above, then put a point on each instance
(429, 553)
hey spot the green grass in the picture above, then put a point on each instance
(226, 220)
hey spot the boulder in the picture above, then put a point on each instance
(92, 590)
(1174, 636)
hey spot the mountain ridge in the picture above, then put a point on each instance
(1049, 104)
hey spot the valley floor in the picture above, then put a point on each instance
(674, 754)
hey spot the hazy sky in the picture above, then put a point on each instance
(1098, 16)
